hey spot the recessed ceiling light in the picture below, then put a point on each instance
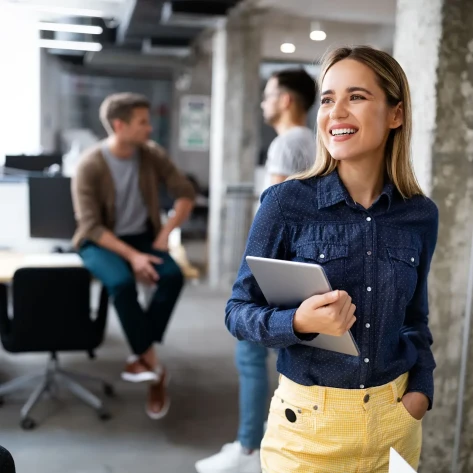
(288, 48)
(318, 35)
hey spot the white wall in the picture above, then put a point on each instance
(19, 83)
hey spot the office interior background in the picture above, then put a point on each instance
(203, 66)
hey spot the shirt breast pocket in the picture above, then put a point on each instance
(332, 257)
(404, 262)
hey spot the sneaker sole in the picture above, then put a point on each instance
(139, 378)
(159, 415)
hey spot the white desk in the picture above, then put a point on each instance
(10, 262)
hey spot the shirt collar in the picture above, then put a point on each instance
(331, 191)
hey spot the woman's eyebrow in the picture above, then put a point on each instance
(349, 90)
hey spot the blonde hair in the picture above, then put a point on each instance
(393, 81)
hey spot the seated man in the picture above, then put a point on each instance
(120, 236)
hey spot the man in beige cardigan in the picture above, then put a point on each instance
(120, 236)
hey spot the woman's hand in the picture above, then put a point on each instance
(330, 314)
(416, 404)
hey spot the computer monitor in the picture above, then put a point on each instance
(33, 163)
(51, 211)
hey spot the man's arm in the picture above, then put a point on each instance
(180, 188)
(181, 212)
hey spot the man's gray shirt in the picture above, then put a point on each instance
(291, 152)
(131, 214)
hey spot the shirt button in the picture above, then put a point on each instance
(366, 360)
(322, 256)
(368, 253)
(367, 325)
(412, 259)
(368, 219)
(368, 289)
(362, 386)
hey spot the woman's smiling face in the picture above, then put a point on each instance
(354, 118)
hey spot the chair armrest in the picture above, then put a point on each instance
(4, 320)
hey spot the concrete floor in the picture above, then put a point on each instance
(198, 351)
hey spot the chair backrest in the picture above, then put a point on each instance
(51, 311)
(7, 465)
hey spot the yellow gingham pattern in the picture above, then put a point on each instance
(338, 430)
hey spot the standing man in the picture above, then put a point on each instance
(120, 236)
(287, 99)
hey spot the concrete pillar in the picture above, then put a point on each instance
(434, 44)
(235, 131)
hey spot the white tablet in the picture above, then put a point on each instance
(288, 284)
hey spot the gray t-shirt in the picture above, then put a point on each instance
(131, 214)
(291, 152)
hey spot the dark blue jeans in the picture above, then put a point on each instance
(141, 328)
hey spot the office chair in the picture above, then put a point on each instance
(51, 313)
(7, 465)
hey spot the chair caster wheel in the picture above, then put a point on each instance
(104, 415)
(27, 423)
(108, 390)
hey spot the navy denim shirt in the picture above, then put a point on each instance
(380, 256)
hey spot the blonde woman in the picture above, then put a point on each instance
(360, 214)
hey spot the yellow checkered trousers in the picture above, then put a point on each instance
(313, 429)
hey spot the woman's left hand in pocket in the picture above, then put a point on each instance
(416, 404)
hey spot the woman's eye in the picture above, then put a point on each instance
(357, 97)
(325, 100)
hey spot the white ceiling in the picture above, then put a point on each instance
(350, 11)
(109, 8)
(278, 29)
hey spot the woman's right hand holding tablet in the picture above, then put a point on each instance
(330, 314)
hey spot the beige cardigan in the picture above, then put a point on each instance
(93, 191)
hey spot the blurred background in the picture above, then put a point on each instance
(203, 65)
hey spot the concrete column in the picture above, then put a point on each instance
(434, 44)
(235, 142)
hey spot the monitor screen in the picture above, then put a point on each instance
(51, 211)
(33, 163)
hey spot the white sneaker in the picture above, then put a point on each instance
(231, 459)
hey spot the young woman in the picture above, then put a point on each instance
(360, 214)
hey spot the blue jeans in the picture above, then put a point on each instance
(254, 387)
(141, 328)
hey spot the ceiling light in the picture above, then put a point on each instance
(316, 32)
(69, 45)
(288, 48)
(67, 11)
(318, 35)
(68, 28)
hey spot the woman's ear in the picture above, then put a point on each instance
(397, 116)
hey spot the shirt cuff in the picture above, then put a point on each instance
(421, 381)
(298, 337)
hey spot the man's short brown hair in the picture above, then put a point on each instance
(120, 107)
